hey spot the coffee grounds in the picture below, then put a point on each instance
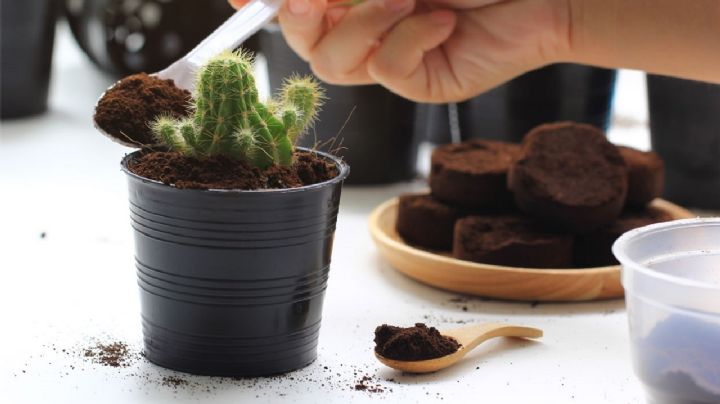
(573, 164)
(174, 381)
(570, 177)
(114, 354)
(678, 360)
(148, 378)
(221, 172)
(126, 109)
(366, 383)
(510, 240)
(413, 343)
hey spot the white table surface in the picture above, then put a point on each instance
(59, 178)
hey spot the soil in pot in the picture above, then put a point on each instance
(221, 172)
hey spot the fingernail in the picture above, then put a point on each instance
(299, 7)
(442, 17)
(396, 5)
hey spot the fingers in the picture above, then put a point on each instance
(340, 55)
(462, 4)
(334, 15)
(303, 23)
(238, 4)
(408, 62)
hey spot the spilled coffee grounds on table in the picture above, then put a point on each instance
(114, 354)
(174, 381)
(123, 363)
(366, 383)
(220, 172)
(126, 109)
(413, 343)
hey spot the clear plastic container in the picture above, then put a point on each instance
(671, 275)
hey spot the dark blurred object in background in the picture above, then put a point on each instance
(130, 36)
(437, 124)
(560, 92)
(685, 132)
(27, 33)
(375, 127)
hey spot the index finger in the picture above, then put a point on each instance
(302, 22)
(238, 4)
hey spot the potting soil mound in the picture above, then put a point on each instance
(413, 343)
(220, 172)
(125, 110)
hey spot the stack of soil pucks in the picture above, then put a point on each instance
(558, 200)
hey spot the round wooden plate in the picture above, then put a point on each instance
(512, 283)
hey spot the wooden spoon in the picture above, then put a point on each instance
(468, 337)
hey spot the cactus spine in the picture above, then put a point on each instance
(230, 120)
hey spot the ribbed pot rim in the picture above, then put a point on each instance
(343, 168)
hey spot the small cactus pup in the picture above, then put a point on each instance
(230, 120)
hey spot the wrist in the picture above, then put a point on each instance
(570, 33)
(592, 25)
(556, 41)
(667, 37)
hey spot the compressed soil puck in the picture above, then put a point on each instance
(510, 241)
(569, 177)
(125, 110)
(413, 343)
(646, 175)
(426, 222)
(473, 174)
(595, 249)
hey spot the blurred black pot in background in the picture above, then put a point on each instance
(437, 123)
(685, 132)
(557, 92)
(130, 36)
(27, 33)
(375, 127)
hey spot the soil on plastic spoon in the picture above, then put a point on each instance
(126, 109)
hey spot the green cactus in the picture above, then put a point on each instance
(230, 120)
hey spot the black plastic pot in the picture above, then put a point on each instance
(560, 92)
(685, 132)
(232, 282)
(27, 33)
(374, 126)
(125, 37)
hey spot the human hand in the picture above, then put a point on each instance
(426, 50)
